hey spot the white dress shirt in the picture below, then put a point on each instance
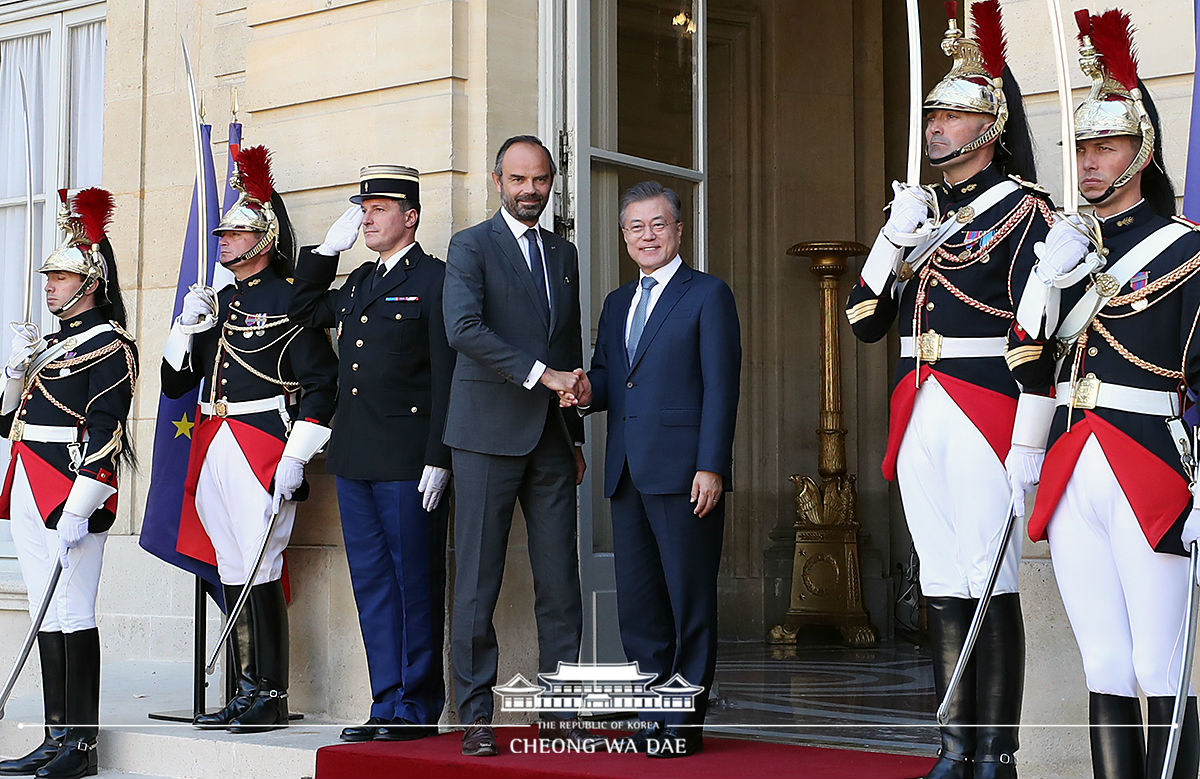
(520, 233)
(394, 258)
(662, 276)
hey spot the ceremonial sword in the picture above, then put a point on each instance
(31, 636)
(964, 656)
(236, 610)
(201, 185)
(26, 328)
(1189, 642)
(916, 123)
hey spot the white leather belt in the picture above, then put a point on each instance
(1090, 392)
(931, 346)
(237, 408)
(46, 434)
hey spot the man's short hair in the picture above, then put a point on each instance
(532, 140)
(648, 190)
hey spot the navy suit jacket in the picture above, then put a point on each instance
(672, 409)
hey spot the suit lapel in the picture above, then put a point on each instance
(676, 288)
(512, 252)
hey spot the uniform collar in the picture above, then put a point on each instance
(1132, 218)
(89, 318)
(255, 280)
(396, 257)
(965, 191)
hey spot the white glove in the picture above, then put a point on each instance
(909, 211)
(343, 233)
(289, 475)
(433, 484)
(1064, 248)
(1024, 467)
(199, 304)
(22, 353)
(72, 529)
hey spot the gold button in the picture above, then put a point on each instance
(354, 390)
(1093, 351)
(224, 381)
(413, 409)
(224, 365)
(354, 367)
(399, 316)
(233, 316)
(363, 319)
(359, 342)
(23, 411)
(933, 283)
(929, 306)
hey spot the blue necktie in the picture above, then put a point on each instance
(639, 317)
(538, 270)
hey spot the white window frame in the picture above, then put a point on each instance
(55, 18)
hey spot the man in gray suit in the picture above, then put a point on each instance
(512, 313)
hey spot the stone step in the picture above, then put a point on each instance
(133, 745)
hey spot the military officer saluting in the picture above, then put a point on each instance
(1114, 498)
(943, 266)
(65, 409)
(387, 452)
(265, 408)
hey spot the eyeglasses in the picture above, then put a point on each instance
(638, 229)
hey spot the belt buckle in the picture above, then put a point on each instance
(1086, 392)
(221, 408)
(18, 430)
(929, 346)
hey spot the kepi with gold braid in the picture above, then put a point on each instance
(975, 82)
(85, 220)
(1114, 106)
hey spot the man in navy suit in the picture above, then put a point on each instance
(665, 368)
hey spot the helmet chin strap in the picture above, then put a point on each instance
(1101, 198)
(75, 298)
(942, 160)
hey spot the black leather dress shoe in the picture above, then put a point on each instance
(642, 737)
(404, 730)
(364, 732)
(479, 740)
(675, 742)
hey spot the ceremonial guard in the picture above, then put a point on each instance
(943, 266)
(65, 409)
(1120, 294)
(264, 412)
(387, 452)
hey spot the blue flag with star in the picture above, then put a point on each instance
(176, 417)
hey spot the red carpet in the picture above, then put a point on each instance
(722, 758)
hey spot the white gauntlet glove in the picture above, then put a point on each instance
(199, 311)
(1065, 247)
(433, 484)
(909, 212)
(289, 475)
(72, 529)
(1024, 467)
(343, 233)
(22, 351)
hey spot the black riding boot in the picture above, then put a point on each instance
(268, 620)
(999, 685)
(949, 619)
(52, 652)
(78, 756)
(1118, 743)
(242, 643)
(1158, 712)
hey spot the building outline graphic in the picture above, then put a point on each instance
(597, 687)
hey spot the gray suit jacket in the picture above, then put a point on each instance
(492, 321)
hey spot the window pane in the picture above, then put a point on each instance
(27, 56)
(643, 79)
(86, 130)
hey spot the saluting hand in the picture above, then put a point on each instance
(343, 233)
(707, 488)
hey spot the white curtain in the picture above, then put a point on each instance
(86, 122)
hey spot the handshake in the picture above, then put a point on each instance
(573, 388)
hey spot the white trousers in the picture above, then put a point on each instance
(956, 496)
(235, 510)
(74, 605)
(1127, 603)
